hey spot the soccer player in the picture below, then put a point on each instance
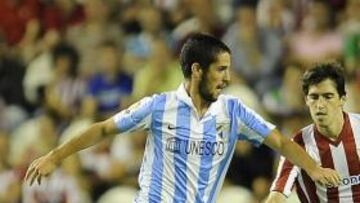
(191, 132)
(333, 140)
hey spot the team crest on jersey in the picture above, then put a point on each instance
(221, 129)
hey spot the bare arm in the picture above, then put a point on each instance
(46, 164)
(94, 134)
(295, 154)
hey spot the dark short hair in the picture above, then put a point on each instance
(202, 49)
(64, 49)
(323, 71)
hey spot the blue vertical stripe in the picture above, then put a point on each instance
(131, 118)
(206, 160)
(158, 164)
(231, 106)
(180, 159)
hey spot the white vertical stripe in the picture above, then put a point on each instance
(168, 181)
(293, 174)
(146, 170)
(308, 136)
(193, 162)
(222, 176)
(212, 177)
(290, 181)
(341, 166)
(355, 123)
(278, 172)
(354, 120)
(223, 119)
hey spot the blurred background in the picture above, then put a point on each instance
(65, 64)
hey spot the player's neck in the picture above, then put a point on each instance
(199, 103)
(333, 130)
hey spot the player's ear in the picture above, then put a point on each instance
(196, 70)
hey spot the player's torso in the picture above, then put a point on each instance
(192, 153)
(341, 155)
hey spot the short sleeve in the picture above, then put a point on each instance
(250, 125)
(136, 117)
(285, 178)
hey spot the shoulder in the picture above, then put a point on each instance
(354, 116)
(163, 98)
(304, 132)
(231, 101)
(228, 98)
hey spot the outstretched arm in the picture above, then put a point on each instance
(46, 164)
(295, 154)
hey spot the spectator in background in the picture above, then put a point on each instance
(87, 36)
(161, 73)
(256, 51)
(64, 93)
(139, 46)
(202, 18)
(350, 28)
(61, 14)
(276, 16)
(16, 17)
(316, 40)
(13, 106)
(108, 89)
(39, 72)
(10, 178)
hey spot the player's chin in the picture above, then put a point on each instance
(215, 96)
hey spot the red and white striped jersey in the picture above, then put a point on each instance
(341, 155)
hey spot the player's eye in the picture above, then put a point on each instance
(313, 96)
(221, 68)
(328, 96)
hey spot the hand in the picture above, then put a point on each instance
(275, 197)
(42, 166)
(325, 176)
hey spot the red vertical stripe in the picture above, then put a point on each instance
(284, 175)
(351, 156)
(310, 186)
(286, 168)
(327, 162)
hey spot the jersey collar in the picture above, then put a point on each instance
(183, 95)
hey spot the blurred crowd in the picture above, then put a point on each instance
(65, 64)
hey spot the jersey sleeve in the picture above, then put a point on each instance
(285, 177)
(287, 172)
(251, 126)
(136, 117)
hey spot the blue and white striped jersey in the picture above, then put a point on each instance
(186, 157)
